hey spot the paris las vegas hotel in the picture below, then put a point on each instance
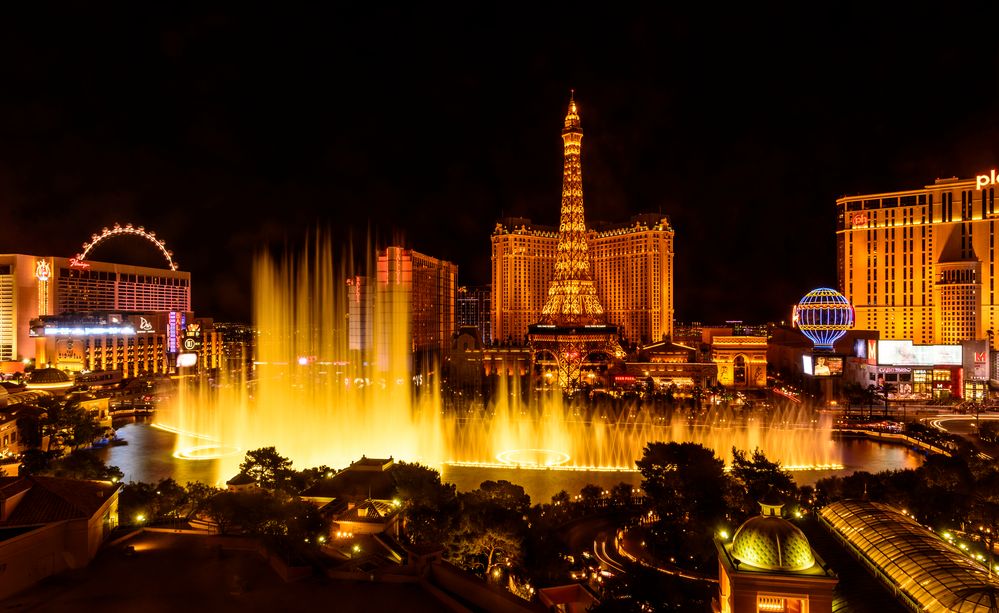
(919, 264)
(632, 266)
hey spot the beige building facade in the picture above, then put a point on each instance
(920, 264)
(631, 263)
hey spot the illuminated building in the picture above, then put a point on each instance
(770, 567)
(572, 330)
(360, 313)
(237, 345)
(473, 309)
(923, 571)
(131, 344)
(741, 360)
(630, 264)
(667, 364)
(74, 285)
(920, 264)
(632, 268)
(419, 290)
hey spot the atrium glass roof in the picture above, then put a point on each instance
(928, 571)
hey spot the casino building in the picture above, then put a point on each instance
(631, 264)
(919, 264)
(36, 286)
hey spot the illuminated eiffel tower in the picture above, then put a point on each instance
(573, 331)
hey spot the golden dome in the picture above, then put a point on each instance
(772, 543)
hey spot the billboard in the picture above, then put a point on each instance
(827, 365)
(822, 365)
(904, 353)
(975, 360)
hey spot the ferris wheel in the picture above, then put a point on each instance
(128, 230)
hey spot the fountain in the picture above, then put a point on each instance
(321, 402)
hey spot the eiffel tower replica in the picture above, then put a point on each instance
(573, 329)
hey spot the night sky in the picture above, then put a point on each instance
(228, 131)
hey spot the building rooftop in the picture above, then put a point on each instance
(927, 572)
(50, 499)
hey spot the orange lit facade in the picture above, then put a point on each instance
(741, 360)
(419, 290)
(920, 264)
(631, 264)
(134, 344)
(33, 286)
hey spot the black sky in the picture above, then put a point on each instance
(228, 130)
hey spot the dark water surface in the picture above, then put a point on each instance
(149, 457)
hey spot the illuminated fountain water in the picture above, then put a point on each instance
(321, 402)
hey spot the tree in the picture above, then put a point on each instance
(429, 507)
(82, 464)
(590, 494)
(622, 493)
(757, 475)
(198, 496)
(503, 494)
(989, 431)
(267, 467)
(492, 527)
(683, 481)
(67, 424)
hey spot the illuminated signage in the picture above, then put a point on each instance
(982, 180)
(78, 263)
(860, 219)
(186, 360)
(806, 364)
(827, 365)
(976, 360)
(88, 331)
(904, 353)
(144, 325)
(172, 333)
(43, 271)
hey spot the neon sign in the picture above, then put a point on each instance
(983, 180)
(172, 333)
(860, 219)
(43, 271)
(78, 263)
(88, 331)
(144, 325)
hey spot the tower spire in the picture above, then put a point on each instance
(572, 298)
(572, 326)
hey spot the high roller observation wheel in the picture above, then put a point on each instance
(127, 230)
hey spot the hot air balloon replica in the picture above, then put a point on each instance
(823, 315)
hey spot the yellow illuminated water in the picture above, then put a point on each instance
(320, 402)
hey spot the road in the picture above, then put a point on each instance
(966, 426)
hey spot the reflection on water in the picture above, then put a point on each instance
(149, 457)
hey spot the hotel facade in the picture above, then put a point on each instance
(33, 287)
(631, 263)
(919, 264)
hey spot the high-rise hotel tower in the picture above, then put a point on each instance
(920, 264)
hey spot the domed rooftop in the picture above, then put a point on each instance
(48, 375)
(49, 379)
(770, 542)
